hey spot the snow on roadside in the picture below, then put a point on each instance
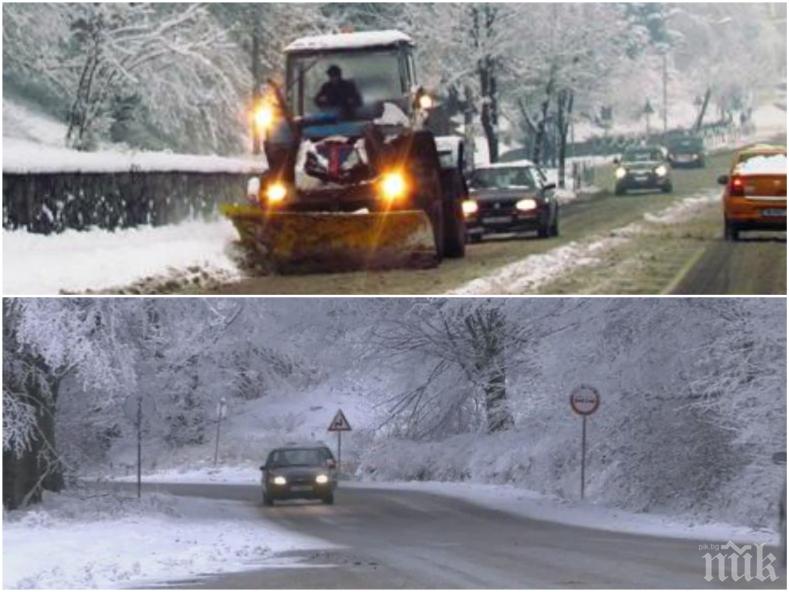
(226, 475)
(534, 271)
(530, 273)
(25, 156)
(524, 502)
(110, 541)
(75, 261)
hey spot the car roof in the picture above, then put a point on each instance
(289, 445)
(763, 149)
(647, 147)
(505, 165)
(350, 41)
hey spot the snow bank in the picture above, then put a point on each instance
(23, 122)
(112, 541)
(532, 272)
(75, 261)
(529, 274)
(763, 165)
(530, 504)
(25, 156)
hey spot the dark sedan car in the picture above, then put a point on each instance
(643, 167)
(510, 197)
(299, 472)
(686, 151)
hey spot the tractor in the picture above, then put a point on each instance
(355, 178)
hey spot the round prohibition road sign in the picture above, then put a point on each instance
(585, 399)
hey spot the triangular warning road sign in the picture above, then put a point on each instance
(339, 423)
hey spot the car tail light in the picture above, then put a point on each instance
(737, 186)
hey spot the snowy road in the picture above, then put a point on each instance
(407, 539)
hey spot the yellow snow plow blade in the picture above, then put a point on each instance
(329, 241)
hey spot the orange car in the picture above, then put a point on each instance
(755, 193)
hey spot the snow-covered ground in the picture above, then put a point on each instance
(75, 261)
(111, 541)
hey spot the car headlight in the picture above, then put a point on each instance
(661, 171)
(620, 172)
(470, 207)
(393, 186)
(322, 479)
(276, 192)
(526, 205)
(280, 480)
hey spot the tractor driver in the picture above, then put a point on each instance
(339, 93)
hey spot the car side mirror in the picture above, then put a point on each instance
(549, 187)
(615, 161)
(723, 179)
(331, 463)
(779, 458)
(263, 467)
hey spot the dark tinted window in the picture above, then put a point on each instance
(292, 457)
(642, 154)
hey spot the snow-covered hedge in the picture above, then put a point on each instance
(46, 202)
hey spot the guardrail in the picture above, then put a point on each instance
(53, 202)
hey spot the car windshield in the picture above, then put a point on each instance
(294, 457)
(687, 144)
(376, 76)
(503, 178)
(642, 155)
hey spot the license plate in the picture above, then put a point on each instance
(774, 213)
(301, 488)
(497, 220)
(641, 177)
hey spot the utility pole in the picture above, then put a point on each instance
(665, 91)
(221, 412)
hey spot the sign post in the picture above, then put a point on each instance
(221, 413)
(584, 401)
(339, 424)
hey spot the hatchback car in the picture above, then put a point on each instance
(643, 167)
(754, 195)
(510, 197)
(299, 472)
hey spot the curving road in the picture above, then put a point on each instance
(407, 539)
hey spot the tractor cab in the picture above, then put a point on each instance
(336, 84)
(354, 178)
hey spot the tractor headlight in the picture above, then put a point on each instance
(620, 173)
(661, 171)
(393, 186)
(264, 116)
(470, 207)
(280, 480)
(276, 192)
(321, 479)
(526, 205)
